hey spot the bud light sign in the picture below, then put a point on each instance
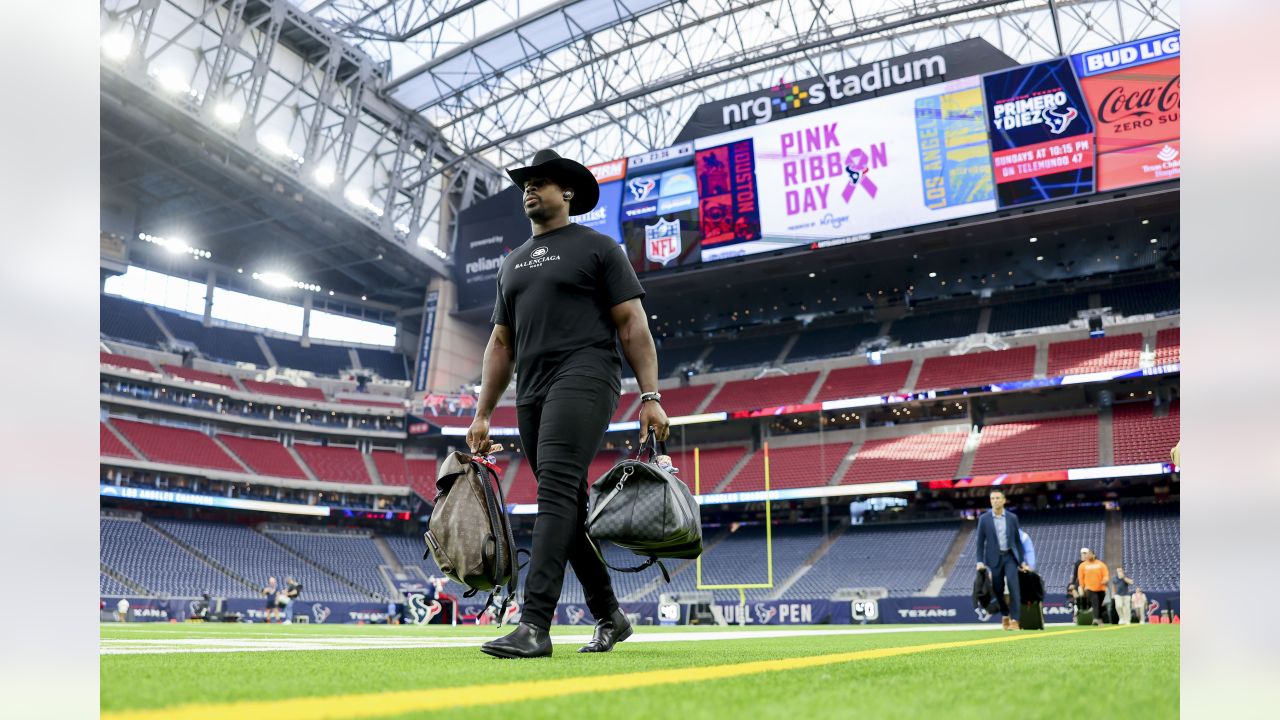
(1135, 94)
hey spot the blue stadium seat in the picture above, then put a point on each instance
(128, 320)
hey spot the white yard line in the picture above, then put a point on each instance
(138, 646)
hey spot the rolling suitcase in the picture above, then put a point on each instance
(1032, 616)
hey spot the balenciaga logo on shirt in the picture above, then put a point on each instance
(536, 258)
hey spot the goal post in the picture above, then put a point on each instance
(768, 532)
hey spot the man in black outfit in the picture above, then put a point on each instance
(565, 297)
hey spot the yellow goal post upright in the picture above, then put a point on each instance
(768, 537)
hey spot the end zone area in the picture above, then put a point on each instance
(185, 672)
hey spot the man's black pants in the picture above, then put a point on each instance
(1095, 602)
(560, 436)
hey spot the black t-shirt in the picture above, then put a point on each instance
(555, 292)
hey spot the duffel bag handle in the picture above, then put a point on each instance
(649, 440)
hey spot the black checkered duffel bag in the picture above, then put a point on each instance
(642, 507)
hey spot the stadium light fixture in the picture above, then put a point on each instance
(277, 145)
(177, 246)
(1146, 222)
(360, 199)
(1039, 258)
(324, 176)
(227, 114)
(172, 79)
(1034, 239)
(116, 45)
(933, 274)
(1154, 241)
(280, 280)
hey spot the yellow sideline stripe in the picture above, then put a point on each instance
(383, 704)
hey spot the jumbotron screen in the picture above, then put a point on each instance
(935, 149)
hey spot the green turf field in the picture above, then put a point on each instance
(333, 671)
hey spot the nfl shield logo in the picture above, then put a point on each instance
(662, 241)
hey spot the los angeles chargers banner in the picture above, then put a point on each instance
(1135, 94)
(1041, 133)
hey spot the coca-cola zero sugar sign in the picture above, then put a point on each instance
(1134, 94)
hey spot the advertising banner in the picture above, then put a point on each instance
(864, 82)
(424, 342)
(423, 610)
(911, 158)
(729, 208)
(487, 232)
(604, 218)
(1041, 134)
(1134, 94)
(660, 218)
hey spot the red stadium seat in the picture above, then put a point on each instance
(283, 390)
(682, 400)
(790, 467)
(976, 369)
(422, 476)
(334, 464)
(179, 446)
(1056, 444)
(1169, 346)
(1113, 352)
(391, 467)
(265, 457)
(124, 361)
(864, 381)
(763, 393)
(110, 445)
(1141, 437)
(389, 403)
(927, 456)
(193, 375)
(714, 464)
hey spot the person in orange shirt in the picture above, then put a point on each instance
(1093, 577)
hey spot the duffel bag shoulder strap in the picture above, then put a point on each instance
(653, 560)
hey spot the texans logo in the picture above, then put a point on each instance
(423, 610)
(320, 613)
(575, 614)
(1059, 118)
(764, 614)
(472, 610)
(641, 187)
(538, 252)
(191, 606)
(982, 613)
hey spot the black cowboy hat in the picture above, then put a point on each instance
(566, 173)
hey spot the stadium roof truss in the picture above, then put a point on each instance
(274, 81)
(601, 79)
(402, 112)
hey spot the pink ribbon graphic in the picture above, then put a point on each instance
(855, 166)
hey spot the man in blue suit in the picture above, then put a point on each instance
(1000, 549)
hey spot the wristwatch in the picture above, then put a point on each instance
(654, 396)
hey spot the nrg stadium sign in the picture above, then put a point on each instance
(883, 77)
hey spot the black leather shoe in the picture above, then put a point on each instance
(526, 641)
(609, 632)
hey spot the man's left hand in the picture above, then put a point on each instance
(1025, 568)
(651, 413)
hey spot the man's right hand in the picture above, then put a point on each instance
(478, 436)
(981, 566)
